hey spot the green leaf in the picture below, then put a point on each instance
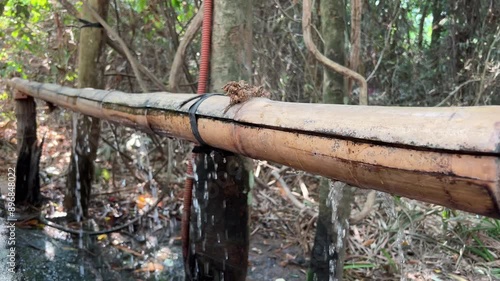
(176, 4)
(141, 5)
(105, 174)
(22, 11)
(4, 96)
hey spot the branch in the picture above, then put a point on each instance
(123, 45)
(69, 8)
(306, 29)
(386, 43)
(45, 221)
(73, 12)
(481, 85)
(291, 197)
(356, 8)
(180, 54)
(455, 91)
(141, 67)
(367, 207)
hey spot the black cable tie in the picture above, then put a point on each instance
(192, 115)
(87, 23)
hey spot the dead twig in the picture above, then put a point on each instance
(168, 178)
(45, 221)
(291, 197)
(452, 93)
(386, 42)
(367, 207)
(481, 85)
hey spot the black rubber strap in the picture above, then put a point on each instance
(192, 115)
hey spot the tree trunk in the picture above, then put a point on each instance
(437, 28)
(231, 43)
(332, 30)
(219, 225)
(86, 129)
(332, 228)
(327, 256)
(421, 24)
(313, 71)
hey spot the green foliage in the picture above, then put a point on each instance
(21, 33)
(176, 4)
(428, 48)
(185, 10)
(496, 272)
(71, 76)
(490, 226)
(359, 265)
(32, 47)
(4, 113)
(391, 262)
(138, 5)
(105, 175)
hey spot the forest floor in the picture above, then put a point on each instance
(399, 239)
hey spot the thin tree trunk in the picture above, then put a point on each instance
(421, 25)
(87, 129)
(327, 256)
(219, 223)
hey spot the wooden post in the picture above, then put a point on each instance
(27, 167)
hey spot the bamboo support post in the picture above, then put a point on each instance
(28, 151)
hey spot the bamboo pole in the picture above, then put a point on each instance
(446, 156)
(27, 180)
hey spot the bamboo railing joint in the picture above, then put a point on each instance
(19, 95)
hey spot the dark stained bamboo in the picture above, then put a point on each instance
(27, 181)
(447, 156)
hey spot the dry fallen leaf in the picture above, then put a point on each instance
(240, 92)
(150, 267)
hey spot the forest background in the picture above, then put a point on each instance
(413, 53)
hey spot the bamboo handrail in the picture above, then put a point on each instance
(447, 156)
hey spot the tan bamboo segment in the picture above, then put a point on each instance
(447, 156)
